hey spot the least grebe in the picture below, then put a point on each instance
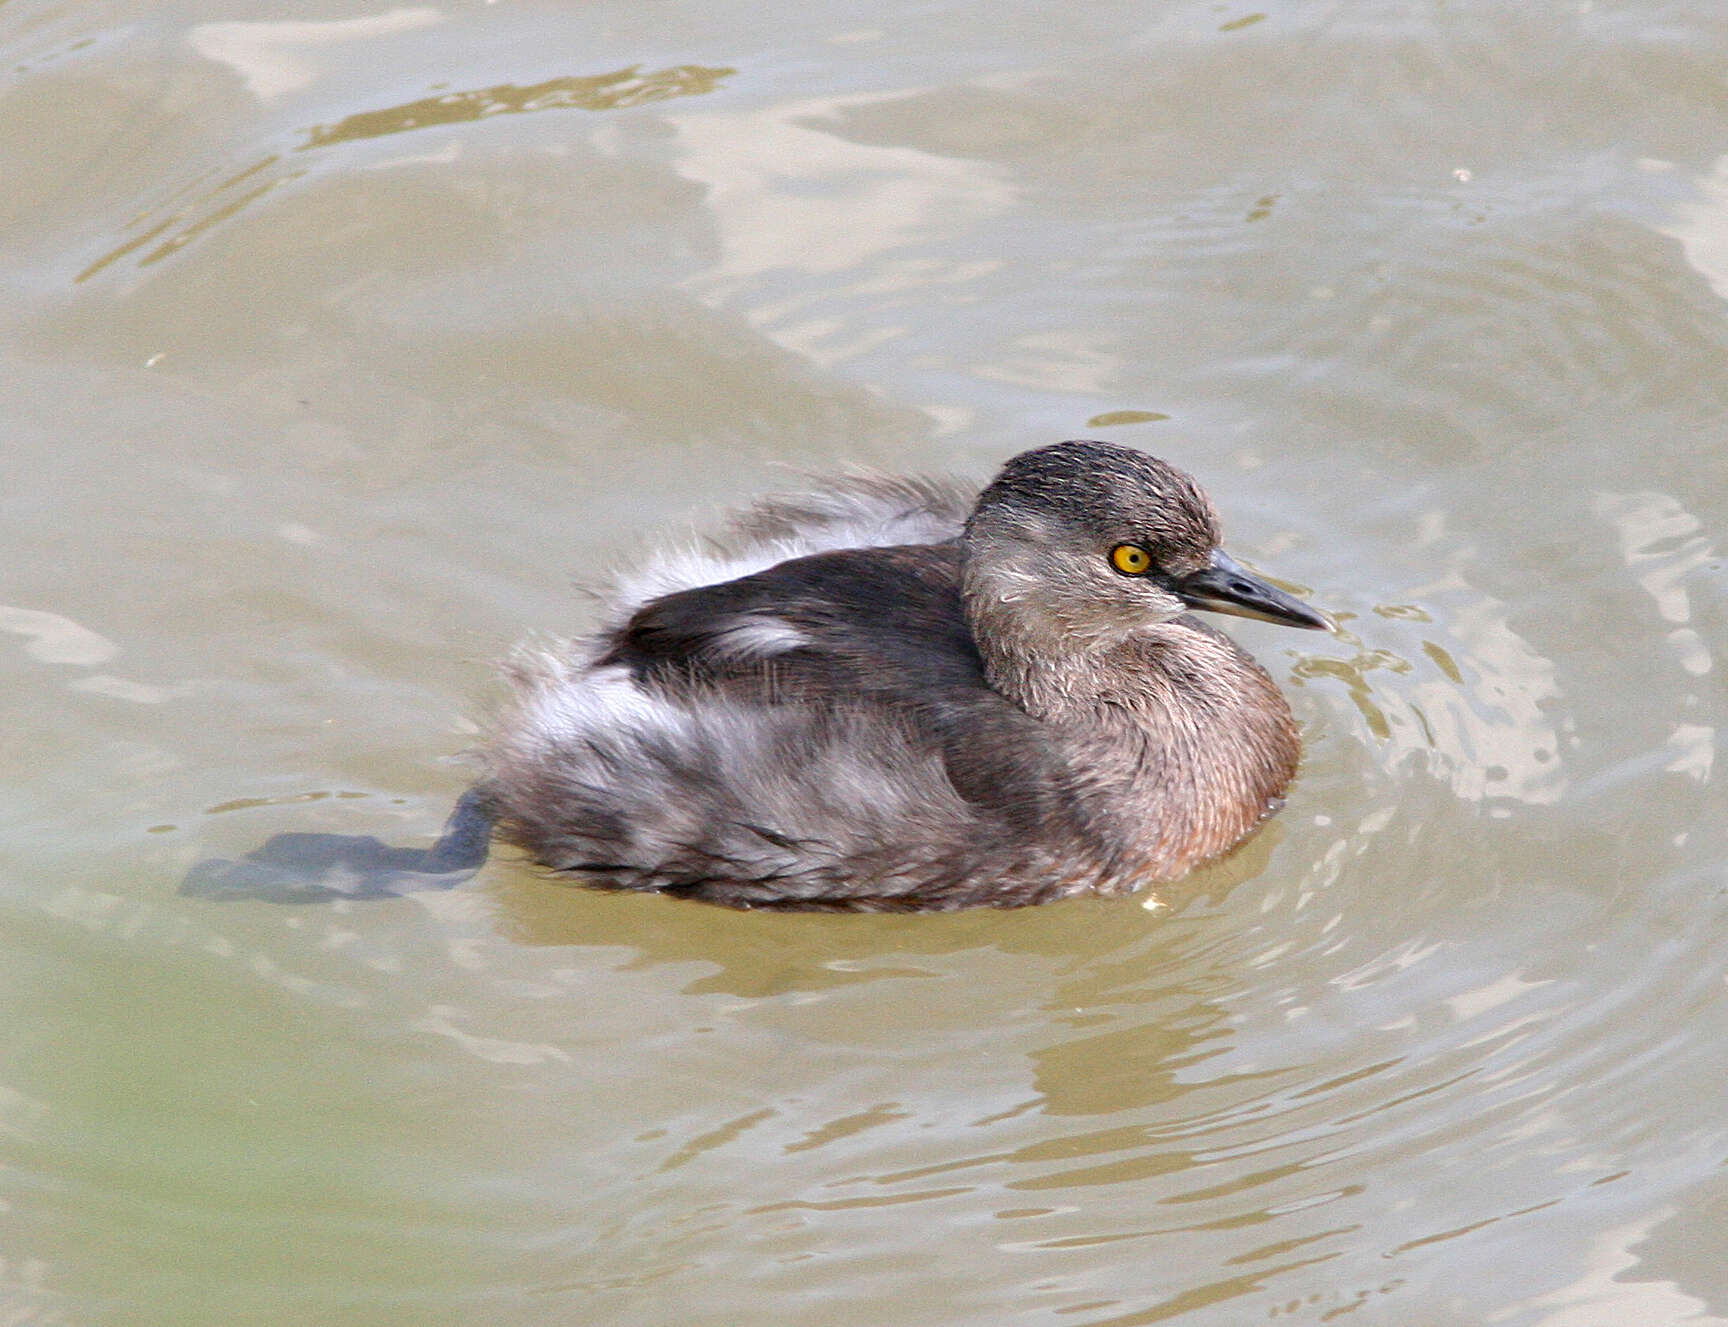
(899, 694)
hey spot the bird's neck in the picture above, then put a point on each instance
(1055, 665)
(1045, 652)
(1200, 736)
(1054, 686)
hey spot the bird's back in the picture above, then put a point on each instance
(818, 733)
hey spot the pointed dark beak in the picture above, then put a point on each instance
(1225, 587)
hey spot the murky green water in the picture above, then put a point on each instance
(336, 339)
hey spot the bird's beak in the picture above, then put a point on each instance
(1225, 587)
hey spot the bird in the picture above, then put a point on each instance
(902, 694)
(884, 694)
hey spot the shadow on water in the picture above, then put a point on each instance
(759, 951)
(315, 868)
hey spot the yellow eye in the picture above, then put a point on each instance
(1130, 559)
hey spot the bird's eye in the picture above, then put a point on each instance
(1130, 559)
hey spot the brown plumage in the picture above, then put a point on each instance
(886, 695)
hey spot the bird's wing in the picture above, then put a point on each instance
(866, 631)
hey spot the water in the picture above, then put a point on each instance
(336, 339)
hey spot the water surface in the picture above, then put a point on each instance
(338, 339)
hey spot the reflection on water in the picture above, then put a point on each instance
(55, 639)
(599, 92)
(1111, 418)
(207, 209)
(1701, 223)
(1354, 674)
(1664, 546)
(276, 57)
(1475, 708)
(231, 205)
(857, 204)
